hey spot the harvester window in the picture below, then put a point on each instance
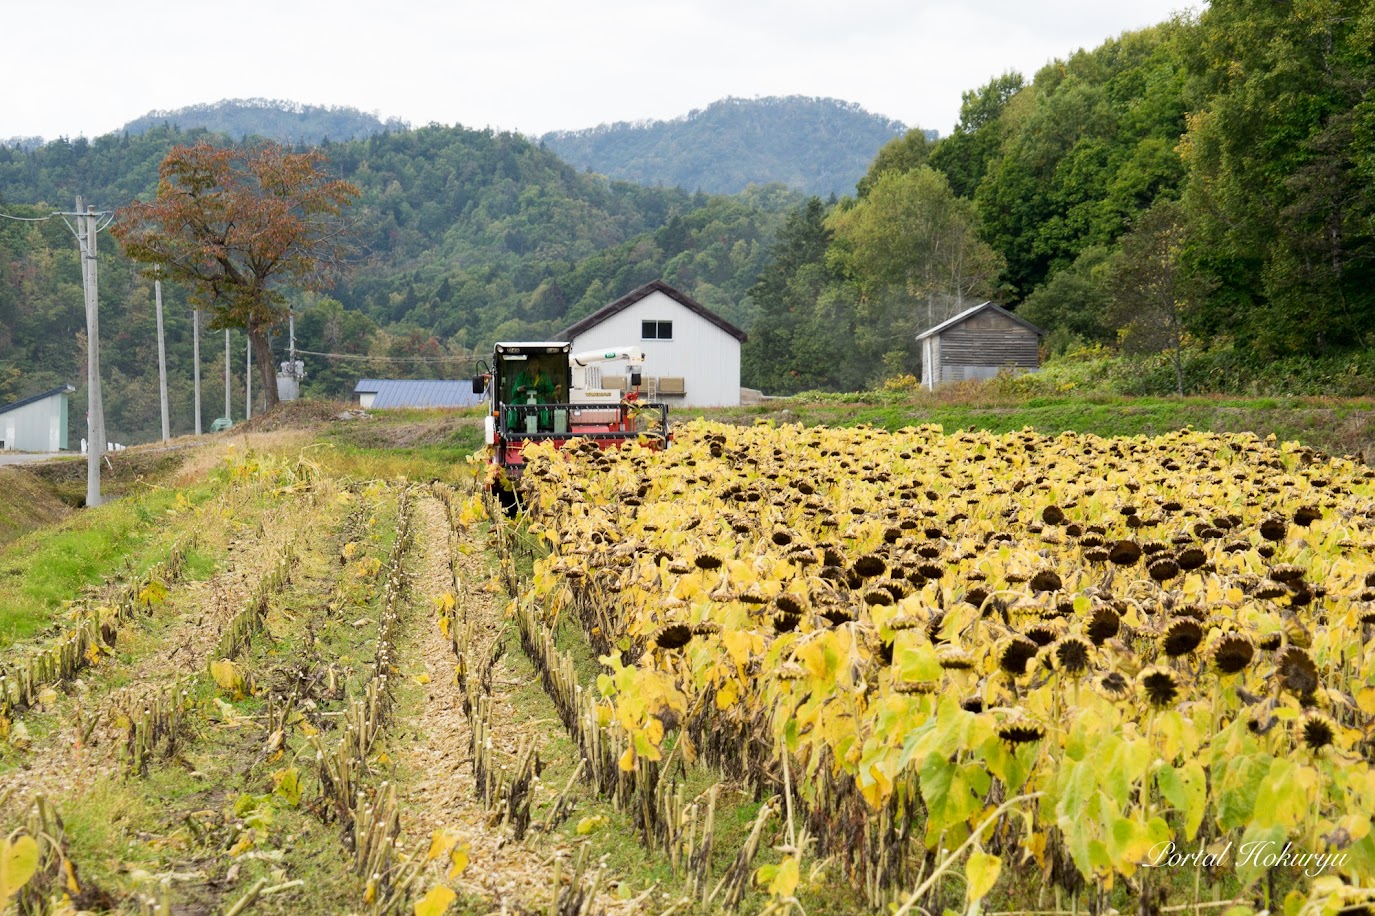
(656, 330)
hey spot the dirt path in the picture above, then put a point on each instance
(510, 875)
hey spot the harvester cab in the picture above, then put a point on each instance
(542, 391)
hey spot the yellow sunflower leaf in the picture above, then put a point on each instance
(436, 901)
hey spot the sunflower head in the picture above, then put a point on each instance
(1103, 624)
(869, 566)
(1020, 731)
(1163, 567)
(1233, 652)
(953, 658)
(915, 687)
(1014, 653)
(1113, 685)
(1297, 671)
(1315, 731)
(707, 561)
(672, 636)
(1182, 636)
(1160, 686)
(1072, 655)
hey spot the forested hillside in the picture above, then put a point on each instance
(271, 119)
(462, 236)
(1199, 192)
(1201, 188)
(817, 146)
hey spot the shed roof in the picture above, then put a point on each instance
(418, 392)
(634, 296)
(61, 389)
(971, 312)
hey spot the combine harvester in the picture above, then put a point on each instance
(540, 392)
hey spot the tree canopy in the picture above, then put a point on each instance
(235, 224)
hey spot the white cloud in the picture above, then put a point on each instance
(87, 67)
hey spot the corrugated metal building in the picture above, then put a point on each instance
(692, 355)
(382, 393)
(38, 423)
(976, 343)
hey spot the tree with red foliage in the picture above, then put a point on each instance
(235, 224)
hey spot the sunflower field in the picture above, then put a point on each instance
(1062, 671)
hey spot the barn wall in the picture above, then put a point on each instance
(700, 353)
(37, 427)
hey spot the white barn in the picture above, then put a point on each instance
(692, 355)
(38, 423)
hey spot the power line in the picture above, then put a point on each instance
(393, 359)
(28, 219)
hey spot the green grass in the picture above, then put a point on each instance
(46, 568)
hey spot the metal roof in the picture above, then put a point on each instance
(61, 389)
(971, 312)
(418, 392)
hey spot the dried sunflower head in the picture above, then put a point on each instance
(707, 561)
(1182, 636)
(1072, 655)
(672, 636)
(1163, 568)
(1046, 580)
(1103, 624)
(879, 597)
(1160, 685)
(905, 622)
(1044, 632)
(953, 658)
(1020, 731)
(1124, 553)
(1014, 653)
(1315, 731)
(1232, 653)
(869, 566)
(1297, 671)
(1113, 685)
(915, 687)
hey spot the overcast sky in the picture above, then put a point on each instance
(87, 67)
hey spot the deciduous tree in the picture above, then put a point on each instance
(236, 224)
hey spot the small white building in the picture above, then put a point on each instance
(38, 423)
(692, 355)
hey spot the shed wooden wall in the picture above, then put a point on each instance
(985, 343)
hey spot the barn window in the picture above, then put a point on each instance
(656, 330)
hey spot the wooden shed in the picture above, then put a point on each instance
(976, 344)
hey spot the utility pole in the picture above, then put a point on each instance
(227, 414)
(162, 355)
(196, 362)
(86, 229)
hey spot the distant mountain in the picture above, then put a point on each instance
(272, 119)
(819, 146)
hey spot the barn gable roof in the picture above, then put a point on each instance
(634, 296)
(971, 312)
(61, 389)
